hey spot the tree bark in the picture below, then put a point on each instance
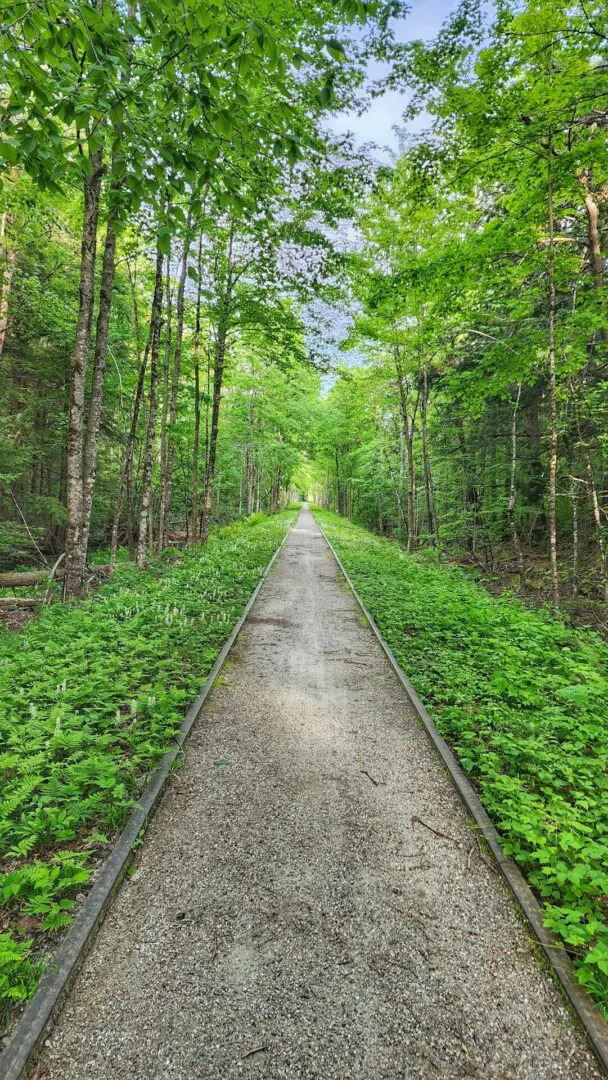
(408, 435)
(218, 376)
(250, 454)
(167, 485)
(431, 509)
(126, 478)
(99, 371)
(164, 418)
(513, 493)
(338, 483)
(155, 326)
(75, 553)
(592, 207)
(552, 390)
(10, 255)
(396, 481)
(597, 517)
(575, 559)
(197, 402)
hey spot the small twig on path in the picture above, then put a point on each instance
(437, 832)
(214, 944)
(376, 783)
(256, 1050)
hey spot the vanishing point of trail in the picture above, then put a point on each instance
(291, 916)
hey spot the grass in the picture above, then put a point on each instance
(522, 698)
(91, 694)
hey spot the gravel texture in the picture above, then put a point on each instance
(291, 915)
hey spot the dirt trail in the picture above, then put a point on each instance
(291, 916)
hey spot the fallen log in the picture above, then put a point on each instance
(28, 578)
(20, 601)
(19, 580)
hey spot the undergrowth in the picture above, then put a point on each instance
(91, 694)
(523, 701)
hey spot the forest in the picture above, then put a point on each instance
(213, 307)
(172, 250)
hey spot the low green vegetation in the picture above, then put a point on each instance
(91, 696)
(523, 701)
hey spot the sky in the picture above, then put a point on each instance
(328, 324)
(423, 21)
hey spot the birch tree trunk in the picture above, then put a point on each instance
(155, 325)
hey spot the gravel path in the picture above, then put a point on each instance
(290, 915)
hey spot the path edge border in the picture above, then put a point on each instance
(593, 1023)
(40, 1014)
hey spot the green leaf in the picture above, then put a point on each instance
(335, 49)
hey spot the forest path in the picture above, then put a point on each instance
(290, 916)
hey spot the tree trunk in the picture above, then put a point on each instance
(250, 454)
(164, 418)
(218, 376)
(155, 325)
(167, 486)
(99, 371)
(574, 502)
(197, 401)
(250, 472)
(396, 481)
(408, 435)
(552, 391)
(10, 257)
(513, 493)
(75, 551)
(431, 509)
(593, 220)
(338, 483)
(592, 207)
(597, 517)
(126, 478)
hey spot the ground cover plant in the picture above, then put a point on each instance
(522, 699)
(91, 695)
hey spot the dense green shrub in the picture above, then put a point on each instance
(523, 700)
